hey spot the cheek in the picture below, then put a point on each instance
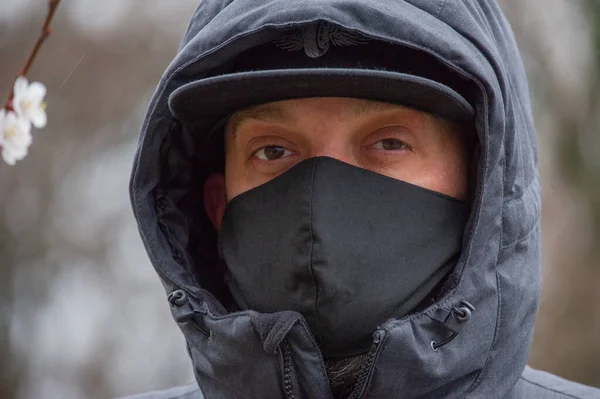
(440, 166)
(239, 178)
(235, 180)
(235, 183)
(448, 175)
(232, 188)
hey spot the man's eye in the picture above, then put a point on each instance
(389, 145)
(271, 153)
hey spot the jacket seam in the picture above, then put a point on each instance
(549, 389)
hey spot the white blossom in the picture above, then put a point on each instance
(28, 101)
(15, 136)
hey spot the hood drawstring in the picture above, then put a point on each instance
(455, 321)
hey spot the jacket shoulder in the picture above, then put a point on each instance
(537, 384)
(190, 391)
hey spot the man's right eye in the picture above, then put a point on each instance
(271, 153)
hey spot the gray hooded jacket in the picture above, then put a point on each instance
(250, 355)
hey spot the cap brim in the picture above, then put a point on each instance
(205, 102)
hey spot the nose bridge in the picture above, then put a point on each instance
(334, 146)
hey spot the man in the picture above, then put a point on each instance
(341, 198)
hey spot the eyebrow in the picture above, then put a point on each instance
(264, 112)
(272, 113)
(365, 107)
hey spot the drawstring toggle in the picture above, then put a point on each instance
(455, 321)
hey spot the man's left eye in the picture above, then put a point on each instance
(389, 145)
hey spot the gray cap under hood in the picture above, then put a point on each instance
(251, 355)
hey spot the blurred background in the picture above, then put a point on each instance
(82, 313)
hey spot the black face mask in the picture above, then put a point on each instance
(345, 247)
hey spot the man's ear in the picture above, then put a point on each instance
(215, 198)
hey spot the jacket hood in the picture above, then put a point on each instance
(246, 354)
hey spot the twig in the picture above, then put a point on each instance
(46, 31)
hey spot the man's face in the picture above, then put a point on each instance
(264, 141)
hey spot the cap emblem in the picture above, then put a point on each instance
(317, 38)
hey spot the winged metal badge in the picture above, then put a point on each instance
(316, 39)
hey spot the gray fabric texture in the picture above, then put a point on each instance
(245, 354)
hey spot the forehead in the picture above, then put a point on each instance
(289, 111)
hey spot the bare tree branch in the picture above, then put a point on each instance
(46, 31)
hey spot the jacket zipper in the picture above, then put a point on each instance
(361, 383)
(287, 371)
